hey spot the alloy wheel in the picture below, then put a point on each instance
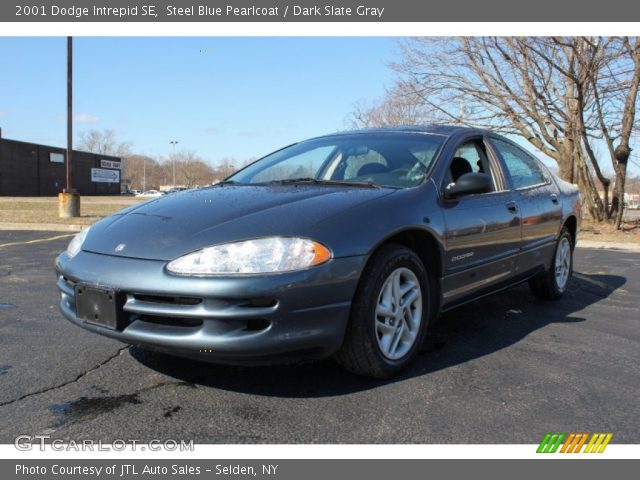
(398, 313)
(563, 263)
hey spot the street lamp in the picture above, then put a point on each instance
(174, 143)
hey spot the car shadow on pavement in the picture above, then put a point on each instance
(471, 331)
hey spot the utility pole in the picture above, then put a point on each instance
(174, 143)
(68, 200)
(69, 113)
(144, 174)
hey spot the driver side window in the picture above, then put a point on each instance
(469, 157)
(365, 164)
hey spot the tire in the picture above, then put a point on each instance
(551, 284)
(368, 347)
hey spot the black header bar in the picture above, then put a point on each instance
(319, 11)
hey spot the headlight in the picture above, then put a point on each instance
(76, 244)
(262, 255)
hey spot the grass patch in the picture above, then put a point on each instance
(39, 210)
(605, 232)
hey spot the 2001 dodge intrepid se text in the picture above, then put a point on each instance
(346, 245)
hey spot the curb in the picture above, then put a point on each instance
(42, 227)
(627, 247)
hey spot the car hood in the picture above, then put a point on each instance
(179, 223)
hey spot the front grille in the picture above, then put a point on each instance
(164, 299)
(228, 314)
(258, 303)
(174, 322)
(256, 324)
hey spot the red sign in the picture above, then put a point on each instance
(110, 164)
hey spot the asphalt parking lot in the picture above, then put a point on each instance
(505, 369)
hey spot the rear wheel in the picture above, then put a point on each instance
(389, 314)
(552, 284)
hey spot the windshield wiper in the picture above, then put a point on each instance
(317, 181)
(227, 182)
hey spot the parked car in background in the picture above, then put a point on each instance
(176, 189)
(347, 245)
(150, 193)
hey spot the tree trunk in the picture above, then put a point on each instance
(573, 157)
(622, 153)
(589, 190)
(565, 170)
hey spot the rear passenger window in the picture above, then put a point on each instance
(523, 169)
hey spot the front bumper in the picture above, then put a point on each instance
(241, 320)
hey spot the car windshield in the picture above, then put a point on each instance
(389, 160)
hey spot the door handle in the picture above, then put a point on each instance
(512, 207)
(554, 198)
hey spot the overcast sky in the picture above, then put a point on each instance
(223, 97)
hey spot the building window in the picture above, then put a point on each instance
(56, 157)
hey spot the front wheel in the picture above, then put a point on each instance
(389, 314)
(552, 284)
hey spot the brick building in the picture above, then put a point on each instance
(29, 169)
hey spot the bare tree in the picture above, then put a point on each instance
(103, 142)
(226, 167)
(397, 108)
(622, 82)
(192, 170)
(138, 172)
(564, 95)
(144, 172)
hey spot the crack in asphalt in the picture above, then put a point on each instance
(74, 380)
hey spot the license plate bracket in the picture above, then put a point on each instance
(97, 306)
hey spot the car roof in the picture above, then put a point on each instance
(446, 130)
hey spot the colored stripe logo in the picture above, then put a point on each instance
(573, 442)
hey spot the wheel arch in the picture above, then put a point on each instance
(571, 223)
(425, 244)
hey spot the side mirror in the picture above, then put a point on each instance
(468, 184)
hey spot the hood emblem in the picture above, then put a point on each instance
(120, 247)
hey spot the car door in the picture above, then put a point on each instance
(482, 231)
(537, 196)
